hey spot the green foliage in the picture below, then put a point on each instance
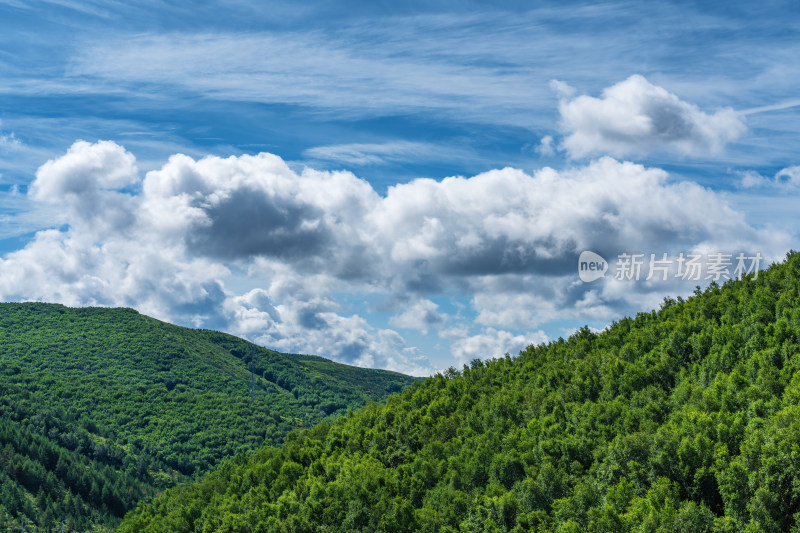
(100, 408)
(684, 419)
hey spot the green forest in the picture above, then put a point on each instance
(682, 419)
(100, 408)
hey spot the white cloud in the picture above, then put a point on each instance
(466, 66)
(423, 316)
(458, 331)
(545, 146)
(509, 222)
(85, 184)
(789, 175)
(9, 141)
(436, 64)
(785, 178)
(562, 89)
(373, 153)
(315, 327)
(84, 169)
(247, 245)
(635, 117)
(750, 179)
(493, 343)
(336, 72)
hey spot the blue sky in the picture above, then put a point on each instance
(402, 186)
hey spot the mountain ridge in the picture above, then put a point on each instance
(682, 419)
(132, 405)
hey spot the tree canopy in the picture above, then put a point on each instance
(100, 408)
(681, 419)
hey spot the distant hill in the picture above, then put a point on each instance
(102, 407)
(683, 419)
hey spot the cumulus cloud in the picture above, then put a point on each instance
(750, 179)
(248, 245)
(85, 182)
(635, 117)
(785, 178)
(493, 343)
(422, 316)
(545, 146)
(84, 169)
(241, 207)
(509, 222)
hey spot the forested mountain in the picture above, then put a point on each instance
(102, 407)
(682, 419)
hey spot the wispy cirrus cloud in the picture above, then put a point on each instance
(772, 107)
(473, 66)
(9, 141)
(341, 75)
(471, 69)
(360, 154)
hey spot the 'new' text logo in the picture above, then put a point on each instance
(591, 266)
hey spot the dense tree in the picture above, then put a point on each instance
(681, 419)
(102, 407)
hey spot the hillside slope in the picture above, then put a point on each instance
(102, 407)
(684, 419)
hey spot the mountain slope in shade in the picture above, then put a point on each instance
(682, 419)
(102, 407)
